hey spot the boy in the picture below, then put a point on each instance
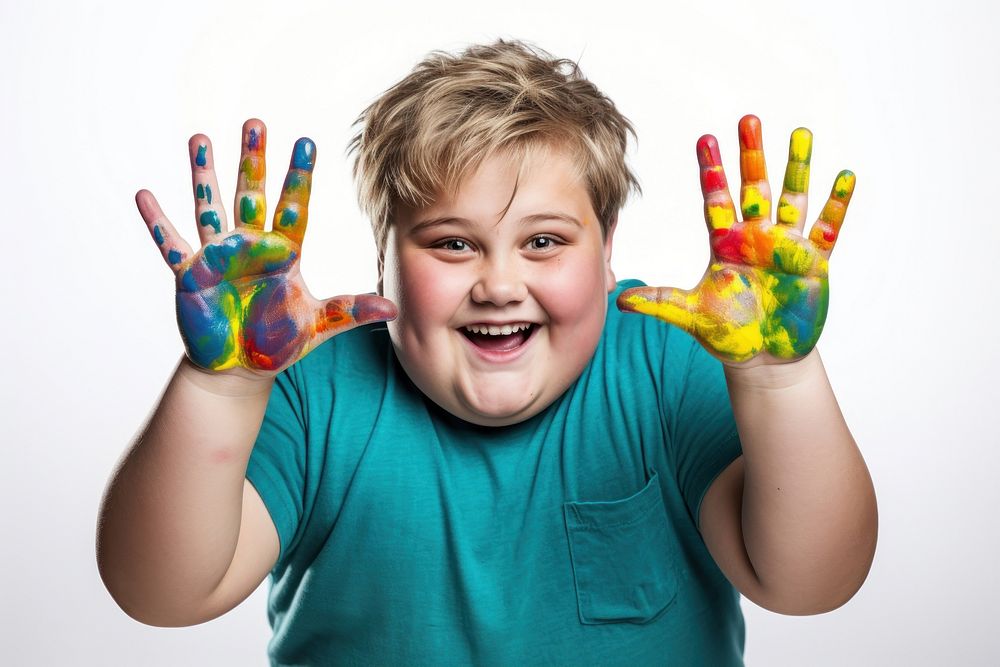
(509, 471)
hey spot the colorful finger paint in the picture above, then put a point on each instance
(292, 212)
(252, 210)
(767, 287)
(824, 233)
(157, 235)
(237, 307)
(204, 192)
(200, 158)
(755, 194)
(719, 210)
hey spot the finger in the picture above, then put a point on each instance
(172, 246)
(250, 205)
(292, 213)
(720, 214)
(676, 306)
(755, 191)
(346, 312)
(825, 231)
(794, 193)
(208, 210)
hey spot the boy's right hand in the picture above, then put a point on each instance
(242, 306)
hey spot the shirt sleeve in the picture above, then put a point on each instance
(704, 437)
(277, 463)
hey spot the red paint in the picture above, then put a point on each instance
(750, 135)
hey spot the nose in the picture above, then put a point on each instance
(499, 283)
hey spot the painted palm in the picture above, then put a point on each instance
(766, 290)
(241, 301)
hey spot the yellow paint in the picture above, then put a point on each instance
(231, 311)
(794, 258)
(844, 185)
(788, 213)
(721, 217)
(800, 146)
(799, 155)
(753, 198)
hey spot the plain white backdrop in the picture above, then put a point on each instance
(99, 99)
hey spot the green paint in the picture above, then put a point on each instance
(200, 191)
(791, 258)
(211, 219)
(248, 209)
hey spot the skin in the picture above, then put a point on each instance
(487, 262)
(242, 305)
(793, 522)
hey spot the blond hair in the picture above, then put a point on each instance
(433, 128)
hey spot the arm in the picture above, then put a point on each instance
(182, 536)
(178, 513)
(792, 522)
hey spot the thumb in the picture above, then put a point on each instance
(346, 312)
(674, 306)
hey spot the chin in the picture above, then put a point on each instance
(499, 412)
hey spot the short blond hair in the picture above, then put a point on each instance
(429, 131)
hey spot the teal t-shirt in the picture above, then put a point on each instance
(411, 537)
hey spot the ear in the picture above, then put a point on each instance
(609, 240)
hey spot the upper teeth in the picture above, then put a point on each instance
(493, 330)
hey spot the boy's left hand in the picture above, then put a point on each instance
(765, 294)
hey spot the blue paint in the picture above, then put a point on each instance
(253, 141)
(293, 181)
(208, 193)
(200, 159)
(157, 235)
(200, 191)
(204, 325)
(217, 255)
(188, 283)
(288, 217)
(211, 219)
(174, 257)
(304, 154)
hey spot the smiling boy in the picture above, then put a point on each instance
(509, 471)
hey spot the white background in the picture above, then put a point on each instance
(99, 98)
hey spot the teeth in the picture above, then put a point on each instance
(493, 330)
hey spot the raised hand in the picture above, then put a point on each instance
(765, 294)
(241, 301)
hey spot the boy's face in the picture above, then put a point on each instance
(463, 266)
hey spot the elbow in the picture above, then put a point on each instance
(139, 607)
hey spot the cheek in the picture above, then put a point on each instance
(575, 292)
(428, 293)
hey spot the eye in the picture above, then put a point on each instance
(454, 245)
(543, 243)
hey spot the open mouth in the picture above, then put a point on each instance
(499, 338)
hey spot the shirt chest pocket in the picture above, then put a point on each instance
(623, 563)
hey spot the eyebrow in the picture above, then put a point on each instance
(527, 220)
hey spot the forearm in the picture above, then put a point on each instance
(170, 517)
(809, 515)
